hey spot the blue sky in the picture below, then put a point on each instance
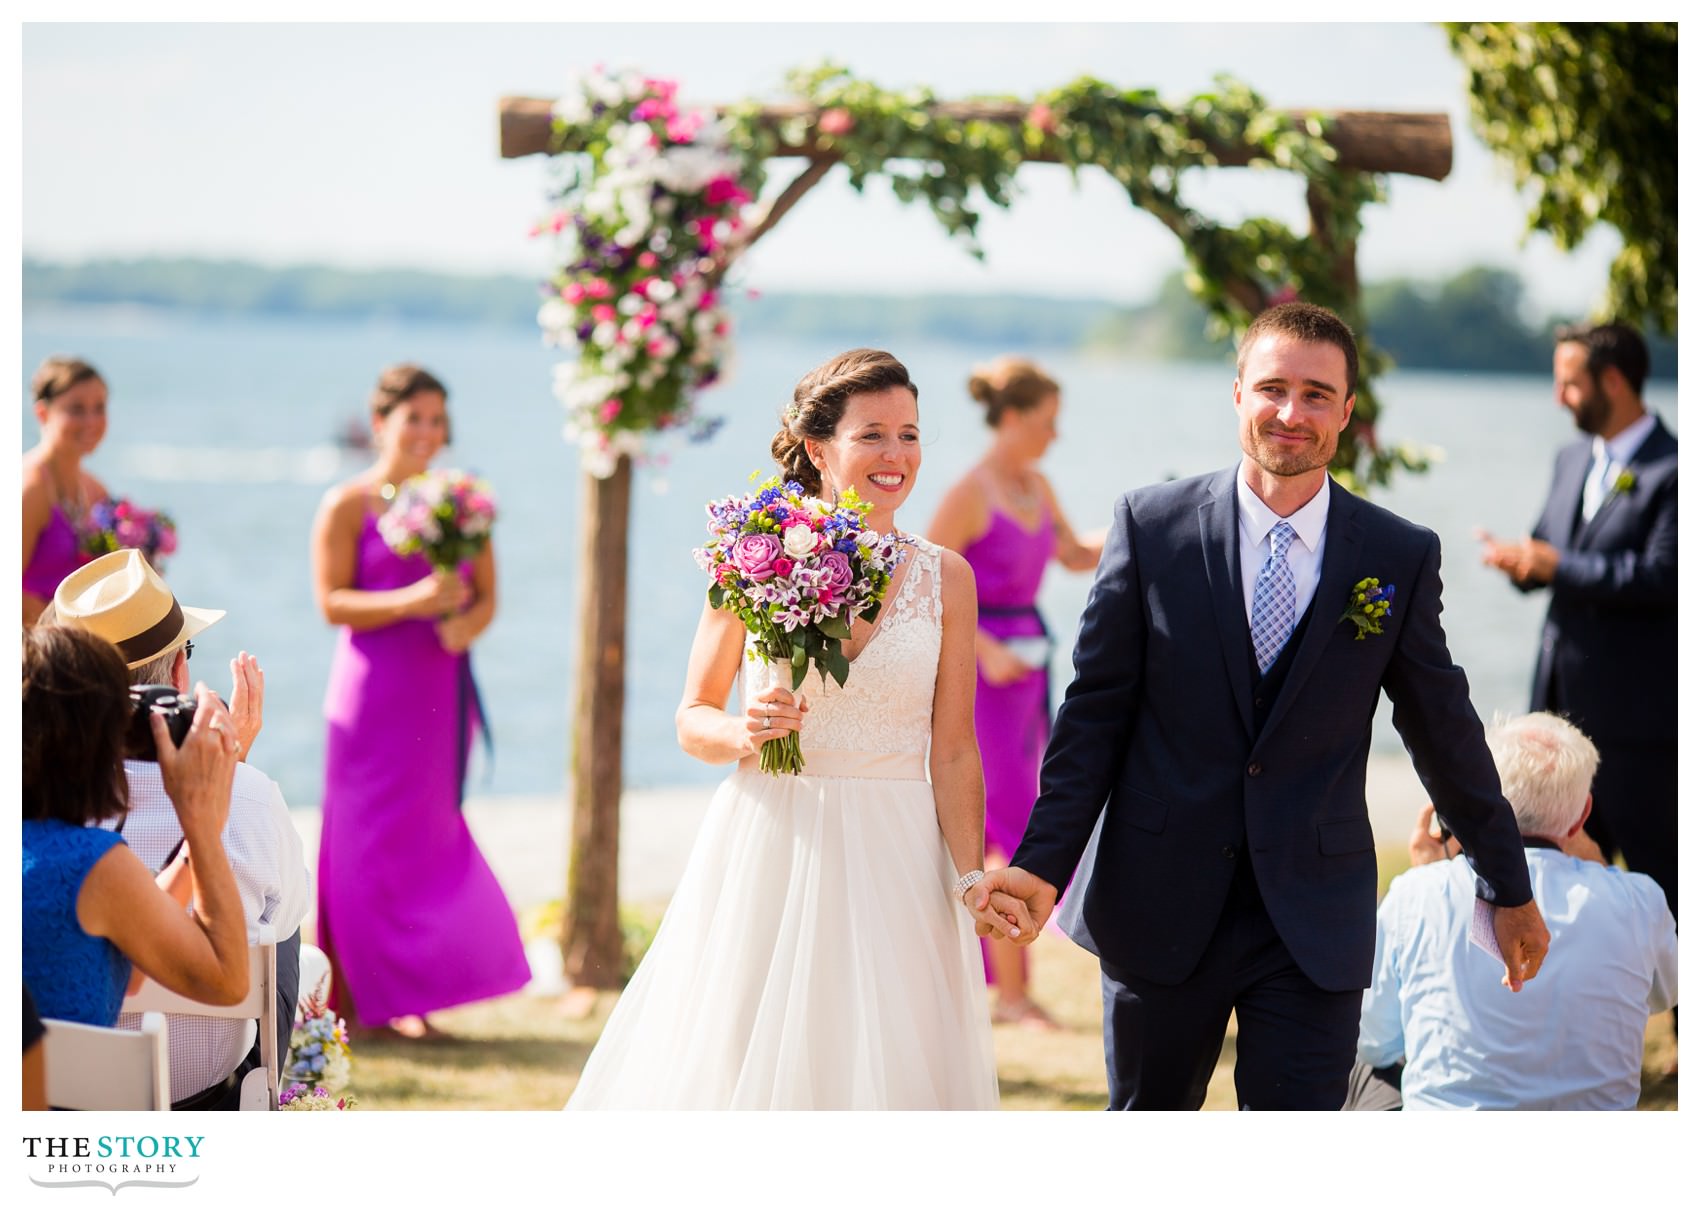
(375, 145)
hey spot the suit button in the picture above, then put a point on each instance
(1258, 701)
(1255, 769)
(1229, 852)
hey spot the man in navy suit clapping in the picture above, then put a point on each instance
(1605, 546)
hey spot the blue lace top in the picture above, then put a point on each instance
(71, 974)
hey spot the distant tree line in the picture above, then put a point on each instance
(1474, 320)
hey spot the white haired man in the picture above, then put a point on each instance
(120, 598)
(1570, 1041)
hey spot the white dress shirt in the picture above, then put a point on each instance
(1571, 1039)
(1610, 458)
(1309, 522)
(271, 876)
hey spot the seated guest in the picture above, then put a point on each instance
(113, 597)
(1572, 1040)
(91, 909)
(34, 1063)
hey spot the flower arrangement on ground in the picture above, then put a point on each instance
(796, 570)
(318, 1051)
(118, 523)
(635, 300)
(444, 515)
(297, 1097)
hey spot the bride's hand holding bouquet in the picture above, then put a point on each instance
(796, 570)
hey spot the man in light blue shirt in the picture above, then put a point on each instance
(1572, 1040)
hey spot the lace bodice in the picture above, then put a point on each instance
(886, 705)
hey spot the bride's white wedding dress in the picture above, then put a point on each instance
(812, 956)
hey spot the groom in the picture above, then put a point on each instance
(1226, 675)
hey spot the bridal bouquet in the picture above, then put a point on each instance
(446, 515)
(114, 524)
(796, 571)
(318, 1050)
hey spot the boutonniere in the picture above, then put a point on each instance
(1625, 482)
(1367, 605)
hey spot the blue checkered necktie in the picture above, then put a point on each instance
(1274, 600)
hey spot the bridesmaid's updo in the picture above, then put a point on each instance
(57, 375)
(817, 406)
(1010, 384)
(400, 383)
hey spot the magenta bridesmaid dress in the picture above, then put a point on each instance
(1013, 721)
(56, 556)
(407, 905)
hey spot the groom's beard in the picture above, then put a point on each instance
(1283, 460)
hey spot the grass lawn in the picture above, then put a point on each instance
(524, 1053)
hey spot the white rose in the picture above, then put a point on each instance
(799, 541)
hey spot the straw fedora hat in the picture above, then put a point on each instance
(120, 598)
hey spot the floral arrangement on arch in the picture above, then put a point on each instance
(642, 218)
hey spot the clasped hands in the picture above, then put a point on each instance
(1525, 561)
(1011, 903)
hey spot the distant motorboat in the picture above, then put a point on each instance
(355, 435)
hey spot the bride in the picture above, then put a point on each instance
(819, 951)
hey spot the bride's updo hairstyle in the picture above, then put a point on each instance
(1010, 384)
(818, 402)
(400, 383)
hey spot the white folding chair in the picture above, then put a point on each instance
(105, 1069)
(259, 1088)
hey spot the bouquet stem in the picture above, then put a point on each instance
(783, 755)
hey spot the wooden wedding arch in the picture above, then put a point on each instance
(1354, 148)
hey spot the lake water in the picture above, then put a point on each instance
(230, 425)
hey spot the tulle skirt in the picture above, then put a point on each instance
(811, 958)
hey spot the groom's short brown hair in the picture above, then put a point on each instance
(1304, 322)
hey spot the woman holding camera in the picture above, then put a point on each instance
(1004, 519)
(70, 406)
(409, 912)
(91, 909)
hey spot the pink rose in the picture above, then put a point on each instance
(754, 555)
(1041, 118)
(836, 566)
(783, 567)
(837, 121)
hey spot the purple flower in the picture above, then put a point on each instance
(837, 574)
(754, 554)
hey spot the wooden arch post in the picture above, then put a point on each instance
(1415, 144)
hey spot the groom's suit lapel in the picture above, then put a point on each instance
(1339, 564)
(1218, 526)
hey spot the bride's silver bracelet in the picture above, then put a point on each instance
(966, 881)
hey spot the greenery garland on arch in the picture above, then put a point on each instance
(689, 213)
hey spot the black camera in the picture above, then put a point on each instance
(177, 708)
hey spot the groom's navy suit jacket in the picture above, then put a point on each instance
(1158, 733)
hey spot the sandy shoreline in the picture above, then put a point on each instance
(525, 837)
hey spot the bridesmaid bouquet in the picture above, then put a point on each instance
(117, 523)
(297, 1097)
(444, 515)
(796, 571)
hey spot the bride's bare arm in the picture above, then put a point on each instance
(707, 731)
(959, 786)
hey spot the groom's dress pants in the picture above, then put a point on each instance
(1295, 1042)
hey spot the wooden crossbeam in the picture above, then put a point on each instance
(1415, 144)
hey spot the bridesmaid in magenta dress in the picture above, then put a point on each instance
(1004, 519)
(70, 405)
(409, 912)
